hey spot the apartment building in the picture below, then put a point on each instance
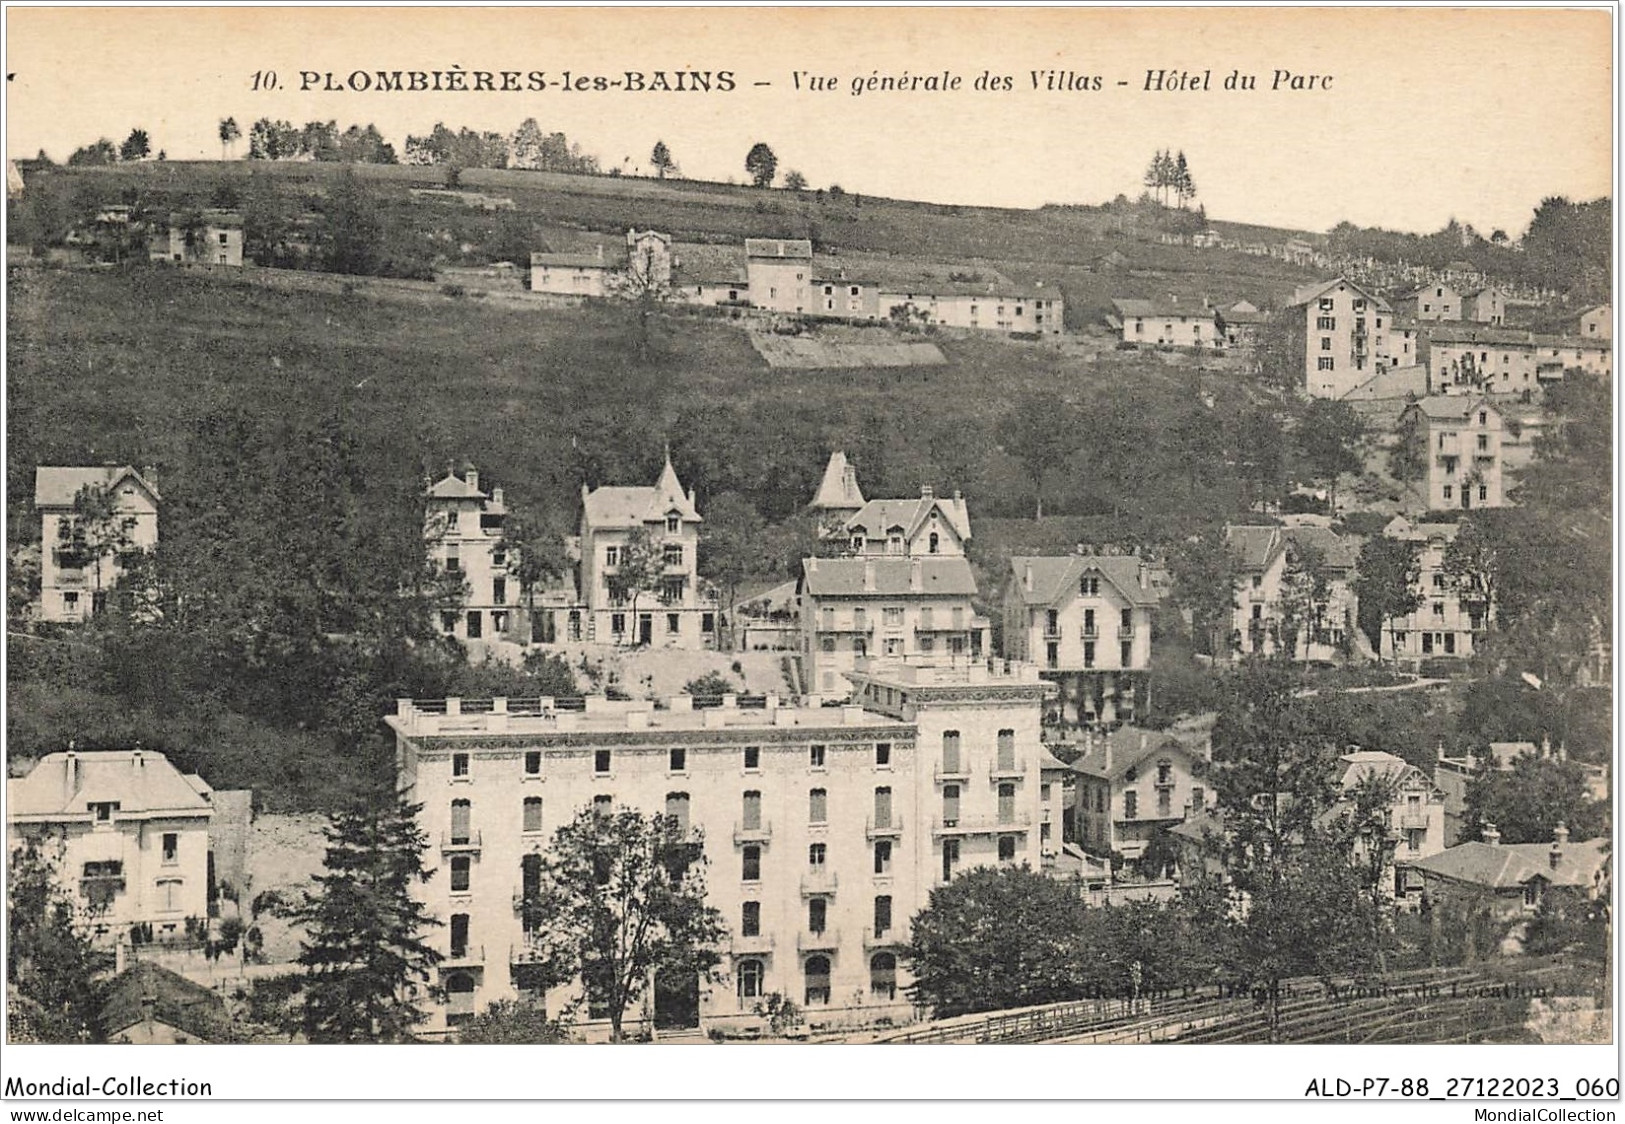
(852, 609)
(1462, 436)
(82, 557)
(1474, 360)
(1338, 336)
(1447, 624)
(126, 833)
(1269, 561)
(676, 614)
(824, 828)
(1167, 323)
(1085, 622)
(463, 526)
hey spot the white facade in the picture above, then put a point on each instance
(1445, 625)
(75, 573)
(463, 527)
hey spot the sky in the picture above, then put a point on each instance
(1430, 114)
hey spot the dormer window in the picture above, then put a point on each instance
(674, 523)
(103, 810)
(1089, 587)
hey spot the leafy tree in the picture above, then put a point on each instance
(1305, 595)
(230, 134)
(516, 1023)
(99, 154)
(536, 553)
(274, 140)
(1385, 585)
(761, 165)
(1037, 431)
(660, 159)
(712, 683)
(620, 896)
(1528, 801)
(136, 146)
(364, 954)
(995, 938)
(49, 962)
(352, 233)
(641, 568)
(96, 532)
(730, 544)
(794, 181)
(1205, 572)
(526, 144)
(1328, 438)
(1407, 460)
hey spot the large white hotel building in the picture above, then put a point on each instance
(825, 827)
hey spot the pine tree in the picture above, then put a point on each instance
(1184, 186)
(661, 159)
(365, 957)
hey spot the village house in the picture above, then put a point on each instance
(148, 1005)
(1462, 436)
(919, 608)
(925, 527)
(1269, 590)
(126, 833)
(1167, 323)
(1133, 784)
(1484, 306)
(210, 237)
(82, 557)
(1509, 361)
(1241, 324)
(778, 272)
(1513, 879)
(999, 306)
(1597, 323)
(1338, 336)
(642, 263)
(1085, 622)
(674, 613)
(825, 827)
(1446, 624)
(847, 297)
(463, 526)
(1415, 812)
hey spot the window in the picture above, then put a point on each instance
(603, 804)
(1483, 491)
(677, 760)
(1126, 652)
(826, 643)
(893, 616)
(1007, 803)
(1450, 643)
(1007, 848)
(816, 854)
(674, 623)
(672, 554)
(1483, 415)
(1198, 798)
(453, 563)
(1448, 491)
(883, 856)
(499, 590)
(612, 556)
(815, 757)
(1327, 304)
(883, 807)
(1326, 323)
(1483, 442)
(817, 976)
(1165, 773)
(677, 809)
(817, 806)
(532, 814)
(817, 915)
(459, 935)
(950, 752)
(617, 623)
(950, 858)
(753, 757)
(600, 761)
(882, 755)
(1131, 805)
(461, 866)
(673, 524)
(751, 811)
(459, 998)
(882, 914)
(1007, 749)
(1088, 653)
(462, 814)
(750, 919)
(1325, 343)
(750, 975)
(533, 763)
(750, 863)
(1089, 587)
(893, 646)
(172, 846)
(950, 805)
(459, 764)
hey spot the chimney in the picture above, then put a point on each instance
(1560, 838)
(1027, 577)
(914, 574)
(70, 774)
(1490, 834)
(1106, 744)
(1438, 750)
(496, 496)
(927, 492)
(1145, 575)
(600, 251)
(1545, 746)
(473, 479)
(137, 760)
(868, 575)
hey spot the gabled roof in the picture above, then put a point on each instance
(1364, 763)
(634, 506)
(878, 517)
(1470, 331)
(580, 260)
(176, 1001)
(56, 486)
(1168, 309)
(1055, 578)
(454, 487)
(790, 248)
(1256, 548)
(1450, 407)
(1500, 866)
(1318, 289)
(892, 577)
(1129, 748)
(62, 785)
(839, 490)
(1049, 763)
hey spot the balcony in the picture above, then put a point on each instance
(1414, 821)
(891, 938)
(760, 833)
(758, 944)
(1125, 631)
(826, 941)
(1008, 770)
(815, 883)
(470, 956)
(519, 896)
(466, 843)
(1052, 631)
(1091, 632)
(981, 825)
(959, 771)
(101, 884)
(528, 951)
(890, 829)
(70, 579)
